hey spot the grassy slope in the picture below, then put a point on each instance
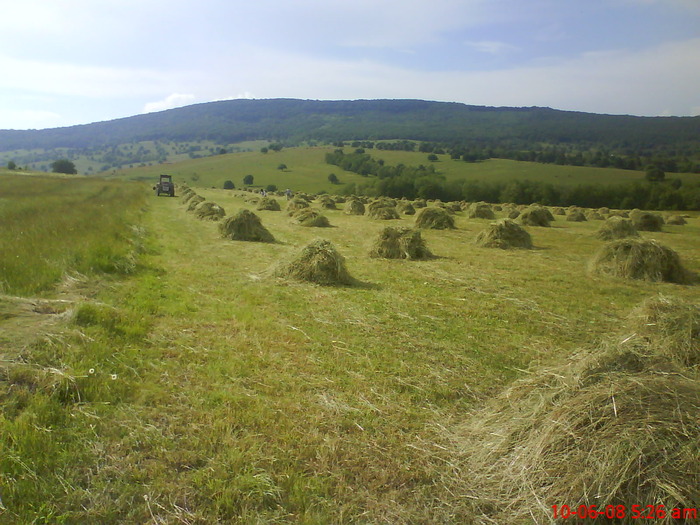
(249, 399)
(308, 170)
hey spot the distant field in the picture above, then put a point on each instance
(308, 171)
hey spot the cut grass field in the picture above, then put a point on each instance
(308, 171)
(201, 389)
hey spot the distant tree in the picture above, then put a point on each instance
(223, 151)
(282, 167)
(229, 185)
(11, 165)
(63, 166)
(248, 180)
(333, 179)
(271, 187)
(263, 150)
(432, 157)
(276, 146)
(654, 173)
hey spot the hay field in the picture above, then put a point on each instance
(204, 389)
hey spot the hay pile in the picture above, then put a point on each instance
(319, 263)
(576, 216)
(405, 208)
(615, 427)
(245, 226)
(639, 259)
(186, 195)
(434, 219)
(504, 234)
(480, 210)
(616, 228)
(419, 203)
(594, 215)
(400, 243)
(194, 201)
(327, 203)
(676, 220)
(297, 203)
(645, 221)
(311, 218)
(384, 213)
(354, 207)
(535, 216)
(268, 204)
(209, 211)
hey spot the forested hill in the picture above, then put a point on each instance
(293, 121)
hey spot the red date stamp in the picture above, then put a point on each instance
(616, 512)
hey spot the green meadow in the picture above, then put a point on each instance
(199, 388)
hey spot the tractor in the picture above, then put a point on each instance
(165, 186)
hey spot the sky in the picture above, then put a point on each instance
(74, 62)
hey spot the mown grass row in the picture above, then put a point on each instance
(53, 225)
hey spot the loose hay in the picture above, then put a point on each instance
(400, 243)
(405, 208)
(296, 204)
(310, 217)
(618, 426)
(195, 201)
(576, 216)
(676, 220)
(245, 226)
(386, 213)
(319, 263)
(480, 210)
(616, 228)
(639, 259)
(645, 221)
(354, 207)
(209, 211)
(504, 234)
(434, 219)
(268, 204)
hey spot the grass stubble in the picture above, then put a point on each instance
(201, 389)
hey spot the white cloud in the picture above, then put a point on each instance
(175, 100)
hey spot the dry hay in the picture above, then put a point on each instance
(639, 259)
(195, 201)
(645, 221)
(400, 243)
(209, 211)
(419, 203)
(618, 426)
(594, 215)
(268, 204)
(405, 208)
(310, 217)
(576, 216)
(186, 195)
(480, 210)
(676, 220)
(297, 203)
(434, 219)
(327, 203)
(385, 213)
(558, 210)
(245, 226)
(504, 234)
(354, 207)
(319, 263)
(535, 216)
(454, 206)
(616, 228)
(381, 202)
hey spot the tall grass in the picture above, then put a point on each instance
(50, 226)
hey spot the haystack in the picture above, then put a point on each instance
(310, 217)
(354, 207)
(594, 215)
(319, 263)
(327, 203)
(400, 243)
(245, 226)
(576, 216)
(268, 204)
(480, 210)
(419, 203)
(535, 216)
(639, 259)
(676, 220)
(615, 427)
(646, 221)
(434, 219)
(209, 211)
(296, 204)
(386, 213)
(616, 228)
(195, 201)
(405, 208)
(504, 234)
(186, 195)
